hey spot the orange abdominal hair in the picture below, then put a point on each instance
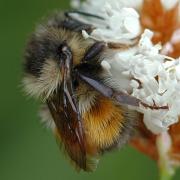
(166, 27)
(103, 123)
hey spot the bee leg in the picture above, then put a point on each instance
(75, 25)
(69, 13)
(119, 96)
(107, 91)
(94, 51)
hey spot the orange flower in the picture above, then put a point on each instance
(162, 22)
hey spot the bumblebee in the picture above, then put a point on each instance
(87, 115)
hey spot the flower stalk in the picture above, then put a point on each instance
(166, 169)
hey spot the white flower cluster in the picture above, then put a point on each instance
(120, 24)
(140, 71)
(154, 79)
(127, 28)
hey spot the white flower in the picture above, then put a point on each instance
(121, 25)
(146, 46)
(96, 5)
(145, 64)
(169, 4)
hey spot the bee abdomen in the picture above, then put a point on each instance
(107, 125)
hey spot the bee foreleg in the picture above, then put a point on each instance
(94, 51)
(120, 97)
(73, 24)
(69, 13)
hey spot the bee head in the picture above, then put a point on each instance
(47, 57)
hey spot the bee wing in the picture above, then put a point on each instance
(68, 122)
(65, 112)
(64, 109)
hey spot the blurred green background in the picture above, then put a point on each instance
(27, 150)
